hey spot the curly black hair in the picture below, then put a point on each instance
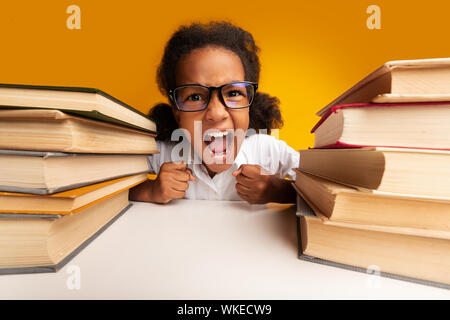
(264, 112)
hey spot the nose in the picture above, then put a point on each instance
(216, 111)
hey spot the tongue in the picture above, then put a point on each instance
(218, 145)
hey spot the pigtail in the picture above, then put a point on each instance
(265, 112)
(162, 115)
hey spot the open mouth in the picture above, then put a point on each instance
(218, 142)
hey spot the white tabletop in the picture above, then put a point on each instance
(204, 250)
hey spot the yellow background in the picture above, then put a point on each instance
(311, 51)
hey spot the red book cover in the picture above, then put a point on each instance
(342, 145)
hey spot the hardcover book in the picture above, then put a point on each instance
(51, 172)
(53, 130)
(400, 81)
(86, 102)
(417, 172)
(398, 253)
(402, 125)
(66, 202)
(341, 203)
(46, 243)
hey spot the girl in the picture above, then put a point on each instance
(210, 74)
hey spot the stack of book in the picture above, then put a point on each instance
(378, 177)
(68, 157)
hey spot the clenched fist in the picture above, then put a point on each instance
(256, 186)
(171, 183)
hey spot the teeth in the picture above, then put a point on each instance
(217, 134)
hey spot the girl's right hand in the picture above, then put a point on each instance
(172, 182)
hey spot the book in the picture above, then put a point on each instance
(42, 244)
(418, 256)
(410, 125)
(400, 81)
(51, 172)
(67, 202)
(86, 102)
(417, 172)
(345, 204)
(53, 130)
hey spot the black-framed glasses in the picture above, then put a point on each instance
(196, 97)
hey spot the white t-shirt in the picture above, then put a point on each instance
(264, 150)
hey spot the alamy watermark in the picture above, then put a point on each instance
(74, 20)
(373, 21)
(373, 280)
(73, 282)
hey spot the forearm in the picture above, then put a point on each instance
(283, 191)
(143, 192)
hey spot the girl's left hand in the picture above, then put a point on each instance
(256, 186)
